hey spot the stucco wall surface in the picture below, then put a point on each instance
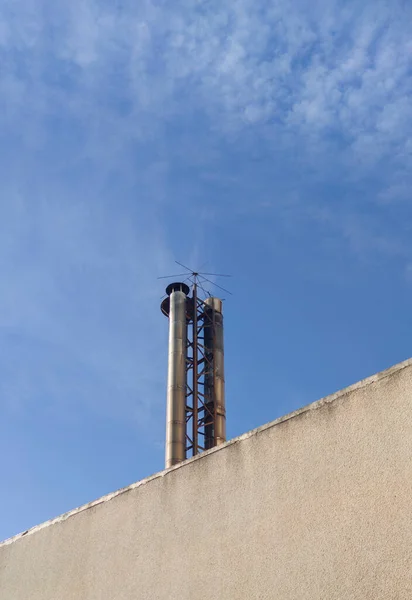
(316, 505)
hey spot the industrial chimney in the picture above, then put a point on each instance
(196, 417)
(215, 430)
(177, 369)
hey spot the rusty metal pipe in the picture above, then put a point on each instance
(215, 433)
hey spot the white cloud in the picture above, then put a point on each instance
(320, 69)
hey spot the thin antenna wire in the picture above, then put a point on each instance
(198, 278)
(206, 292)
(184, 266)
(169, 276)
(214, 274)
(218, 286)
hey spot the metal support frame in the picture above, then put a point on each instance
(202, 408)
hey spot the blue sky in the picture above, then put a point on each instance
(271, 139)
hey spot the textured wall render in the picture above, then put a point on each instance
(317, 505)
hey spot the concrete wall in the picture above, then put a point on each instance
(317, 505)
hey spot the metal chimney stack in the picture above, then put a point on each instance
(215, 431)
(196, 416)
(177, 368)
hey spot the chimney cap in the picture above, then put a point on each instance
(177, 287)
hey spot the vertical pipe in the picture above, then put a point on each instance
(215, 433)
(176, 381)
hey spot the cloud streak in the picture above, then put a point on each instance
(336, 69)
